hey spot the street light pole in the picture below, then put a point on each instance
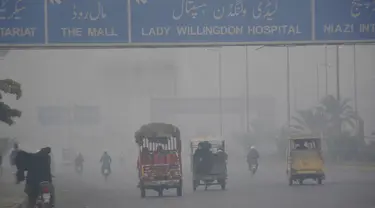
(326, 67)
(247, 93)
(220, 90)
(355, 79)
(337, 72)
(287, 81)
(317, 83)
(220, 95)
(288, 84)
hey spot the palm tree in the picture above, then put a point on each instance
(7, 113)
(310, 121)
(338, 113)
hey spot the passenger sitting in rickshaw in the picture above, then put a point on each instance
(203, 158)
(220, 162)
(222, 155)
(160, 157)
(146, 156)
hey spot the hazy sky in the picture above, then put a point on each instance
(122, 81)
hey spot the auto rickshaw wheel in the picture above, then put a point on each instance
(179, 191)
(195, 185)
(290, 181)
(223, 185)
(143, 192)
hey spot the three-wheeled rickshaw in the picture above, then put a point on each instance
(159, 161)
(213, 172)
(304, 160)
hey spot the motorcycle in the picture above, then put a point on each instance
(253, 169)
(44, 198)
(106, 173)
(79, 169)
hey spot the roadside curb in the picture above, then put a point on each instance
(22, 204)
(16, 204)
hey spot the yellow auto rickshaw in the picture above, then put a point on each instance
(304, 160)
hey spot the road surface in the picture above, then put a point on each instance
(344, 188)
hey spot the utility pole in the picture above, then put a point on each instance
(288, 84)
(247, 93)
(220, 95)
(338, 72)
(317, 83)
(326, 67)
(355, 79)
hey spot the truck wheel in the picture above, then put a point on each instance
(143, 192)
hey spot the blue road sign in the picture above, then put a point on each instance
(54, 115)
(202, 21)
(22, 22)
(155, 23)
(87, 21)
(86, 115)
(345, 20)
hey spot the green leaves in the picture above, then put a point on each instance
(328, 117)
(7, 114)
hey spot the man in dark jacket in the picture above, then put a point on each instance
(38, 167)
(106, 161)
(79, 161)
(203, 158)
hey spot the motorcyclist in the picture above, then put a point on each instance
(106, 162)
(252, 157)
(79, 161)
(38, 167)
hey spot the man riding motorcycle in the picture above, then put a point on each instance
(79, 161)
(38, 167)
(106, 162)
(252, 157)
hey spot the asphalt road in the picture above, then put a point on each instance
(343, 188)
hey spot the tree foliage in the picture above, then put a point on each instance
(335, 121)
(7, 114)
(328, 118)
(309, 121)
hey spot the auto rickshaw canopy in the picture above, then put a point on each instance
(210, 142)
(158, 133)
(307, 142)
